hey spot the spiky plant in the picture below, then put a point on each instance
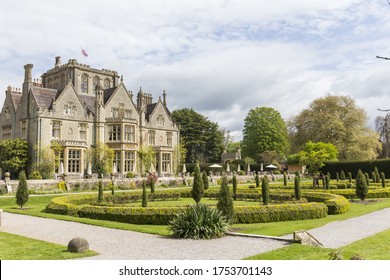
(199, 221)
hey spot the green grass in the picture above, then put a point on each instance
(376, 247)
(16, 247)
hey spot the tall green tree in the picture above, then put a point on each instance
(225, 201)
(202, 139)
(144, 195)
(264, 130)
(297, 188)
(22, 192)
(13, 155)
(234, 182)
(205, 179)
(197, 191)
(100, 192)
(337, 120)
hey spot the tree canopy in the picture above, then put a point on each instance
(13, 155)
(201, 138)
(337, 120)
(264, 130)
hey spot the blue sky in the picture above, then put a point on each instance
(221, 58)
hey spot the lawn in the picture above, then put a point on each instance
(16, 247)
(376, 247)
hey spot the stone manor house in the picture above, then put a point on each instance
(76, 106)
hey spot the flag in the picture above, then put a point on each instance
(84, 53)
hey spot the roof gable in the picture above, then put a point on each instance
(44, 97)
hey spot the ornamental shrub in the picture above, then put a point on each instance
(144, 196)
(367, 179)
(350, 177)
(35, 175)
(383, 179)
(234, 182)
(297, 188)
(337, 176)
(284, 178)
(100, 192)
(265, 190)
(361, 185)
(373, 176)
(22, 192)
(225, 201)
(205, 179)
(257, 180)
(377, 175)
(197, 186)
(342, 175)
(327, 181)
(199, 222)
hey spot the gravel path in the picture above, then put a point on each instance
(114, 244)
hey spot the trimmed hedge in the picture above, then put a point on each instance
(276, 213)
(336, 204)
(367, 166)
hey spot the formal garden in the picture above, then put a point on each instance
(202, 209)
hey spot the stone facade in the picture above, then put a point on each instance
(75, 107)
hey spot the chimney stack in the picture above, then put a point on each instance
(28, 73)
(58, 61)
(164, 98)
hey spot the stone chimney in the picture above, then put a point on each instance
(58, 61)
(164, 98)
(27, 78)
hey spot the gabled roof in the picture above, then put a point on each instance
(149, 110)
(89, 102)
(44, 97)
(107, 93)
(16, 97)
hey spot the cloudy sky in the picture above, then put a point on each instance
(221, 58)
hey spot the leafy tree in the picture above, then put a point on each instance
(225, 201)
(102, 157)
(315, 154)
(382, 125)
(337, 120)
(147, 156)
(22, 192)
(264, 130)
(197, 191)
(205, 179)
(202, 139)
(361, 185)
(13, 155)
(234, 182)
(46, 162)
(297, 188)
(265, 190)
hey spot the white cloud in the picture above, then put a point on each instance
(220, 57)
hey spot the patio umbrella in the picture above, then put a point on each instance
(152, 169)
(227, 167)
(238, 168)
(114, 168)
(249, 168)
(215, 166)
(261, 167)
(271, 166)
(184, 168)
(61, 170)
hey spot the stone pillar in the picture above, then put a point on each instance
(160, 164)
(123, 163)
(66, 159)
(82, 167)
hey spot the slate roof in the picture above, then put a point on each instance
(89, 102)
(44, 96)
(107, 93)
(149, 110)
(16, 97)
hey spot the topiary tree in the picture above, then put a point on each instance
(361, 185)
(297, 174)
(327, 181)
(284, 178)
(377, 175)
(205, 179)
(383, 179)
(197, 191)
(342, 175)
(350, 177)
(234, 181)
(337, 176)
(100, 192)
(225, 201)
(265, 190)
(297, 188)
(257, 180)
(373, 176)
(367, 179)
(144, 196)
(22, 192)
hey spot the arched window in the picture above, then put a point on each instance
(107, 83)
(96, 80)
(84, 83)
